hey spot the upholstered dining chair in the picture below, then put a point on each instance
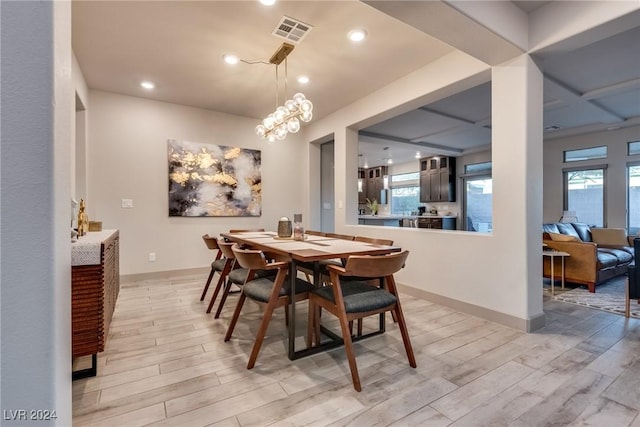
(234, 274)
(270, 292)
(351, 300)
(217, 265)
(307, 268)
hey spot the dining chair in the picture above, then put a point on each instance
(217, 264)
(229, 262)
(235, 275)
(340, 236)
(352, 300)
(243, 230)
(270, 292)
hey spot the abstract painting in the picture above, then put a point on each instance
(213, 180)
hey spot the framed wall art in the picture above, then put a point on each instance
(213, 180)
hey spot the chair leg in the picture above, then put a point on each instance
(310, 323)
(405, 336)
(223, 299)
(234, 319)
(262, 331)
(221, 279)
(206, 287)
(348, 347)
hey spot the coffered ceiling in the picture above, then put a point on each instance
(179, 46)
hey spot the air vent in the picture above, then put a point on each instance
(551, 128)
(291, 29)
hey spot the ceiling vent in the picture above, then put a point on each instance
(291, 29)
(551, 128)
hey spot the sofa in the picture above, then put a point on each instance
(596, 254)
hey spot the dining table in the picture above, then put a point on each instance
(312, 249)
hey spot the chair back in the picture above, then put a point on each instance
(340, 236)
(225, 247)
(243, 230)
(375, 266)
(211, 242)
(372, 240)
(315, 233)
(252, 259)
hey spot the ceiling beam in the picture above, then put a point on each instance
(365, 135)
(571, 96)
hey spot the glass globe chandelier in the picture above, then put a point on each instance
(287, 117)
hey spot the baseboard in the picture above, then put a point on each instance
(525, 325)
(156, 275)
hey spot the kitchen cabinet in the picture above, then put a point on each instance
(362, 186)
(437, 179)
(375, 182)
(439, 223)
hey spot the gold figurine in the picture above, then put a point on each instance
(83, 220)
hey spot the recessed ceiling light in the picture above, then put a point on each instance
(390, 161)
(268, 2)
(231, 59)
(357, 35)
(303, 80)
(147, 85)
(418, 155)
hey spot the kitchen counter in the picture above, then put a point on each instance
(404, 216)
(447, 222)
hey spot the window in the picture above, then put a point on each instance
(585, 154)
(633, 197)
(477, 207)
(405, 193)
(584, 194)
(477, 168)
(633, 148)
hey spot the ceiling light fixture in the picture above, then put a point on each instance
(231, 59)
(147, 85)
(268, 2)
(303, 80)
(287, 117)
(357, 35)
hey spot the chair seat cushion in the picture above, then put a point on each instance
(218, 265)
(359, 296)
(239, 275)
(260, 289)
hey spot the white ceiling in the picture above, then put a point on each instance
(179, 46)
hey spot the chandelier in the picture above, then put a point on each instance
(287, 117)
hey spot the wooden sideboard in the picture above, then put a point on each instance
(95, 284)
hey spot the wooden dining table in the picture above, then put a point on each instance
(312, 249)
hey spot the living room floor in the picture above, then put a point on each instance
(166, 364)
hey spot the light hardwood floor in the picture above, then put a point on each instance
(166, 365)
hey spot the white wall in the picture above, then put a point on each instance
(498, 273)
(37, 107)
(615, 191)
(127, 159)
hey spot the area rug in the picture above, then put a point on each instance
(609, 296)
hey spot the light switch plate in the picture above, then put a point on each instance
(127, 203)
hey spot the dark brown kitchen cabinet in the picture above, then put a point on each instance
(362, 186)
(375, 182)
(437, 179)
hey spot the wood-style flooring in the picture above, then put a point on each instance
(166, 365)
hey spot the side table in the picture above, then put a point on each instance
(551, 254)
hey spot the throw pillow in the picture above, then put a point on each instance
(557, 237)
(610, 236)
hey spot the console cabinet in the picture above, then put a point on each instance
(437, 179)
(95, 284)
